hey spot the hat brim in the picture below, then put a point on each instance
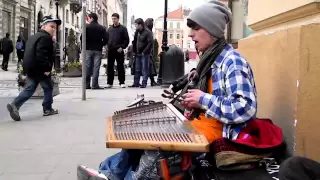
(57, 21)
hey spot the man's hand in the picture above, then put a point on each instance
(47, 73)
(191, 98)
(191, 74)
(120, 50)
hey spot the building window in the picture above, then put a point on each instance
(72, 18)
(178, 36)
(189, 45)
(67, 16)
(77, 21)
(171, 36)
(178, 25)
(171, 25)
(66, 32)
(87, 4)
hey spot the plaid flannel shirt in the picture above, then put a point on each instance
(234, 99)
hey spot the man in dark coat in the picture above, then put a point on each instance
(96, 38)
(142, 48)
(6, 50)
(37, 65)
(118, 40)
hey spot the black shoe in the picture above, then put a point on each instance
(135, 85)
(143, 86)
(98, 87)
(50, 112)
(14, 112)
(88, 87)
(154, 84)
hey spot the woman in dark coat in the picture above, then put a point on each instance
(20, 47)
(152, 70)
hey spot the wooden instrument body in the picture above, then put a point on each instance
(149, 137)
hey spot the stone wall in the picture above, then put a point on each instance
(287, 70)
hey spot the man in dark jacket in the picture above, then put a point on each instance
(6, 49)
(118, 40)
(96, 38)
(142, 48)
(37, 64)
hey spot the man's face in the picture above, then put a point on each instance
(138, 26)
(115, 20)
(50, 27)
(202, 39)
(90, 19)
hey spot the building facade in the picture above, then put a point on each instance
(17, 18)
(23, 17)
(177, 31)
(114, 6)
(69, 19)
(100, 7)
(130, 21)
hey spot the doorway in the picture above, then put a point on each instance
(6, 23)
(24, 28)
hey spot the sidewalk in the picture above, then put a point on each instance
(50, 148)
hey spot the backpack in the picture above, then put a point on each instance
(19, 45)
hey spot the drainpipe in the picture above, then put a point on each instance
(34, 20)
(229, 26)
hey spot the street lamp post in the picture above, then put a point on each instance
(83, 49)
(57, 65)
(76, 7)
(164, 46)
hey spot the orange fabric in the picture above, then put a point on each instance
(209, 127)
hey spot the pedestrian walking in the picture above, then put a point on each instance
(37, 64)
(6, 50)
(142, 48)
(96, 38)
(118, 40)
(20, 47)
(186, 56)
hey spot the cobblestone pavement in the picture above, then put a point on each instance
(9, 85)
(50, 148)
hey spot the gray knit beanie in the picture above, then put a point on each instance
(212, 16)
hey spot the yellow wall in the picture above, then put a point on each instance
(274, 60)
(263, 9)
(287, 70)
(285, 57)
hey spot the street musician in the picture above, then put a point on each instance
(223, 100)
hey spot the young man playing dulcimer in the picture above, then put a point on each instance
(224, 98)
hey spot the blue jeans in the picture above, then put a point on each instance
(93, 63)
(141, 67)
(32, 84)
(120, 165)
